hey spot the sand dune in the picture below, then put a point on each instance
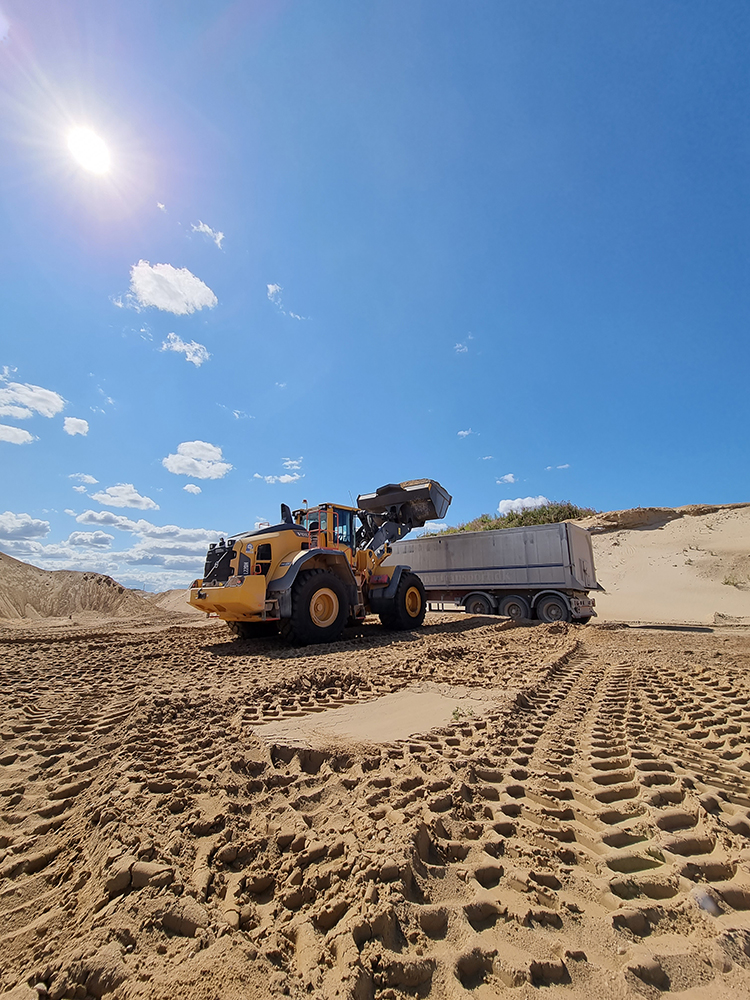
(684, 564)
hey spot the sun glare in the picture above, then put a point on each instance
(90, 151)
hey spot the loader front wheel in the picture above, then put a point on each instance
(320, 608)
(409, 605)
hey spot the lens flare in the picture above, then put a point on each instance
(90, 151)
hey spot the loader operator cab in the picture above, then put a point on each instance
(330, 527)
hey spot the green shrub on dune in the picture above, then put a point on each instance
(549, 513)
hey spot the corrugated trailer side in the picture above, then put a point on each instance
(492, 566)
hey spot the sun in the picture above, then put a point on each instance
(90, 150)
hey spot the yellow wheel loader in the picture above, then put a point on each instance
(321, 568)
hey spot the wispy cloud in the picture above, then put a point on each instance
(237, 414)
(521, 503)
(461, 348)
(192, 488)
(171, 289)
(212, 234)
(124, 495)
(80, 489)
(281, 385)
(274, 294)
(15, 435)
(194, 352)
(75, 425)
(21, 400)
(547, 468)
(197, 459)
(465, 434)
(83, 477)
(287, 477)
(161, 206)
(508, 478)
(485, 458)
(292, 463)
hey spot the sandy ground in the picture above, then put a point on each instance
(586, 834)
(685, 564)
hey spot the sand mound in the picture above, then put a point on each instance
(673, 564)
(176, 601)
(29, 592)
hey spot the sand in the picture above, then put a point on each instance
(586, 834)
(684, 564)
(479, 809)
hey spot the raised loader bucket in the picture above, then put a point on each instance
(415, 501)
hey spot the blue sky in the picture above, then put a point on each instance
(499, 244)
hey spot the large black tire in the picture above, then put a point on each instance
(320, 608)
(515, 607)
(582, 621)
(478, 604)
(253, 630)
(552, 609)
(409, 605)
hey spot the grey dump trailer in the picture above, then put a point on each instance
(544, 571)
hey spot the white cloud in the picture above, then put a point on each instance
(15, 435)
(194, 352)
(285, 478)
(509, 478)
(197, 459)
(522, 503)
(168, 288)
(91, 539)
(21, 526)
(208, 231)
(74, 425)
(80, 489)
(161, 206)
(192, 488)
(292, 463)
(124, 495)
(465, 434)
(485, 458)
(281, 385)
(461, 348)
(21, 400)
(83, 477)
(547, 468)
(430, 528)
(566, 466)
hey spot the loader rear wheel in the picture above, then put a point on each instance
(320, 608)
(552, 609)
(409, 605)
(253, 630)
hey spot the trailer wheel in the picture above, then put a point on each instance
(320, 608)
(515, 607)
(552, 609)
(478, 604)
(583, 621)
(253, 630)
(408, 607)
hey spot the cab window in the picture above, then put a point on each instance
(342, 529)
